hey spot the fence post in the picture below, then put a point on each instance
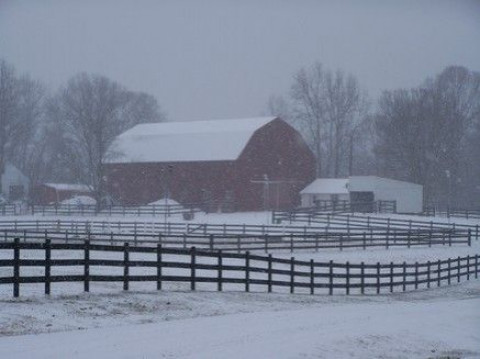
(439, 274)
(476, 232)
(86, 267)
(239, 246)
(330, 278)
(125, 265)
(220, 273)
(378, 277)
(16, 267)
(362, 278)
(476, 266)
(404, 282)
(341, 242)
(468, 267)
(391, 277)
(449, 270)
(458, 269)
(211, 242)
(291, 242)
(469, 237)
(312, 277)
(428, 274)
(247, 271)
(265, 238)
(159, 267)
(316, 242)
(269, 280)
(192, 268)
(347, 278)
(48, 256)
(416, 275)
(292, 274)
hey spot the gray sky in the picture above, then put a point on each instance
(224, 58)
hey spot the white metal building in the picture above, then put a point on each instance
(408, 196)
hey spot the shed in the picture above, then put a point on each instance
(362, 189)
(14, 184)
(241, 164)
(48, 193)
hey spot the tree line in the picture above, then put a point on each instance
(64, 136)
(428, 135)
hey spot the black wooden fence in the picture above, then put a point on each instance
(246, 272)
(449, 212)
(10, 210)
(157, 210)
(341, 224)
(346, 206)
(259, 242)
(362, 221)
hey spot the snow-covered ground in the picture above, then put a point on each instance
(176, 323)
(439, 323)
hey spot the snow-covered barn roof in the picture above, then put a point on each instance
(327, 186)
(68, 187)
(215, 140)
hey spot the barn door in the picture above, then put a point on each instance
(362, 202)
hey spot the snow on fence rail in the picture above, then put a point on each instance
(244, 271)
(258, 242)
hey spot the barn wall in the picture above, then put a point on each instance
(188, 182)
(278, 151)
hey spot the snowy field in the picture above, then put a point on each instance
(440, 323)
(176, 323)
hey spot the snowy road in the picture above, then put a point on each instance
(426, 329)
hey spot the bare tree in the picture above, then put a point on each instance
(422, 133)
(92, 110)
(8, 111)
(331, 109)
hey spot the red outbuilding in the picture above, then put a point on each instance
(234, 165)
(50, 193)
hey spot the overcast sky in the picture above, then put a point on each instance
(224, 58)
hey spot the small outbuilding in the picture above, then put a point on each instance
(14, 184)
(48, 193)
(364, 189)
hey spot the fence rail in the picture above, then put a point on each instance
(451, 212)
(346, 225)
(346, 206)
(362, 221)
(266, 242)
(245, 271)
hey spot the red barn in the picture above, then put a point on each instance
(241, 165)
